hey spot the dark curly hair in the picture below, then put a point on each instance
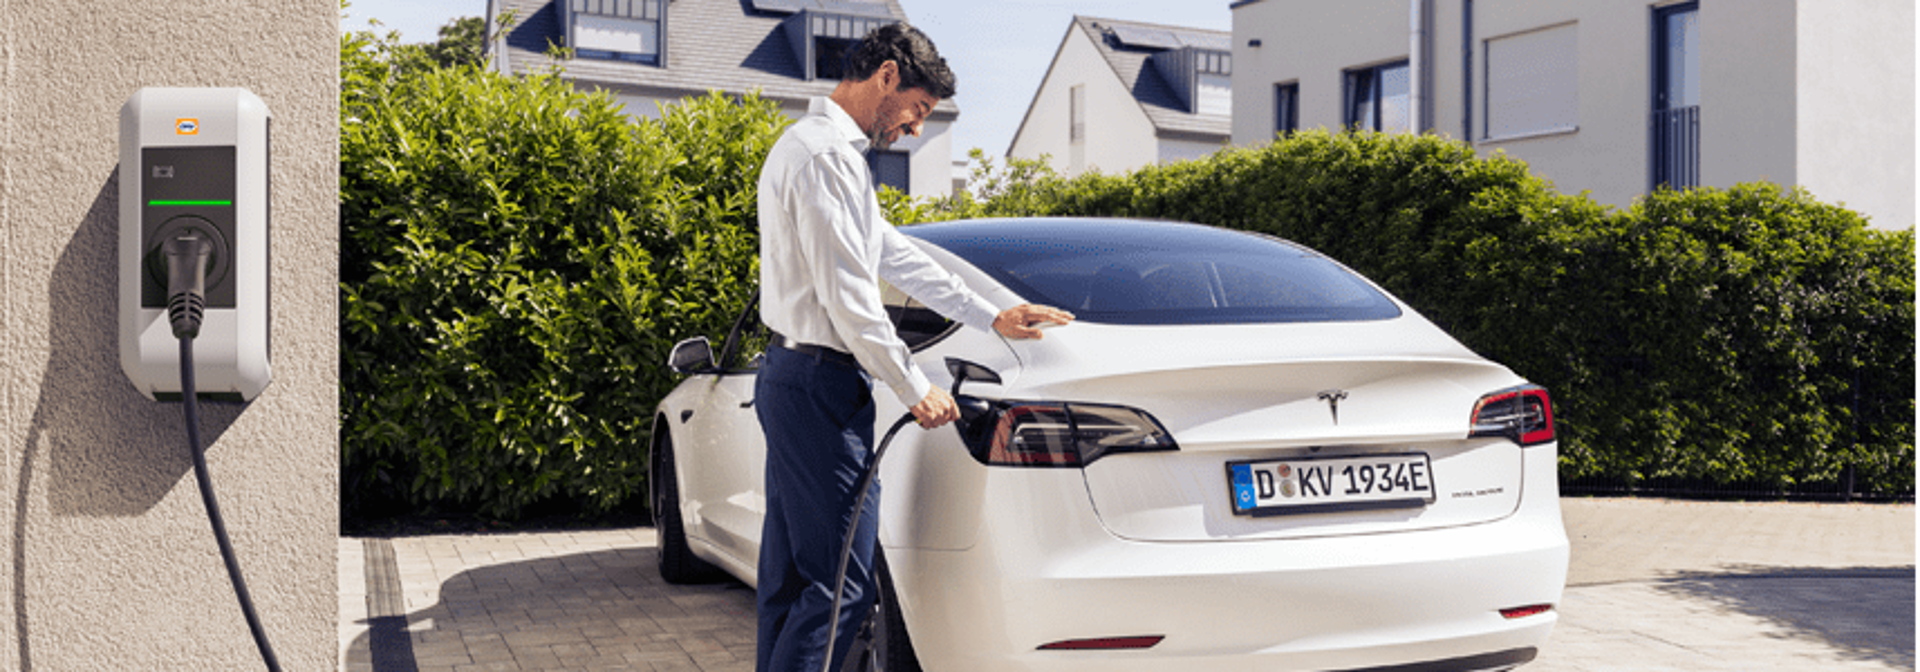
(921, 66)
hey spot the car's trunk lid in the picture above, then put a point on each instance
(1305, 394)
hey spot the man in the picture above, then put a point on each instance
(825, 245)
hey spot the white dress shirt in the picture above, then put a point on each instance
(825, 244)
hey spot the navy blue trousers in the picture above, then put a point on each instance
(818, 418)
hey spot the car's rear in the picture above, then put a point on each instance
(1341, 487)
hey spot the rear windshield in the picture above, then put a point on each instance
(1126, 272)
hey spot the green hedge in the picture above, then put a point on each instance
(517, 259)
(1748, 335)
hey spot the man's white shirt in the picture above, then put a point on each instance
(825, 244)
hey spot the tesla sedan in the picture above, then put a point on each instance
(1242, 455)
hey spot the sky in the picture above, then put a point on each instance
(999, 49)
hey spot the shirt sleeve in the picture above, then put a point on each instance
(908, 268)
(836, 227)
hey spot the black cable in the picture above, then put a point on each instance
(192, 406)
(853, 527)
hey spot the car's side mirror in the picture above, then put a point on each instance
(694, 355)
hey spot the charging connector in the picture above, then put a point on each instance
(187, 260)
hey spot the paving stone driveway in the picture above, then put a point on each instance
(1654, 585)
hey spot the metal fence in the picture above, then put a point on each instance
(1843, 489)
(1675, 151)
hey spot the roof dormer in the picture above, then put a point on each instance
(1198, 66)
(823, 31)
(622, 30)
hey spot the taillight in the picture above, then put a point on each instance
(1523, 612)
(1521, 414)
(1049, 434)
(1105, 643)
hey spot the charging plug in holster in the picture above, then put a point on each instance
(187, 260)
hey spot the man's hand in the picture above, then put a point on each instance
(1022, 321)
(936, 409)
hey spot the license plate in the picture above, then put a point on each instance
(1311, 484)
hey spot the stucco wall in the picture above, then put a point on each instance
(1748, 108)
(113, 565)
(1856, 97)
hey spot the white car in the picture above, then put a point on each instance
(1241, 455)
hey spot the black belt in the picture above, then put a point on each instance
(818, 352)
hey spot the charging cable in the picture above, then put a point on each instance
(187, 259)
(853, 527)
(971, 410)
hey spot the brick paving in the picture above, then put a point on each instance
(588, 600)
(1654, 585)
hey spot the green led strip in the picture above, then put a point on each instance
(188, 203)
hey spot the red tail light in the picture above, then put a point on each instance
(1041, 434)
(1523, 612)
(1104, 643)
(1522, 414)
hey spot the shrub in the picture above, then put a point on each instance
(517, 259)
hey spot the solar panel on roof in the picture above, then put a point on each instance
(853, 7)
(1206, 41)
(780, 6)
(1146, 38)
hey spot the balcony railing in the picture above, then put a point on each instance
(1675, 156)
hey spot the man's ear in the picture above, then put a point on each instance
(889, 75)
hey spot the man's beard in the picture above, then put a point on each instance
(877, 131)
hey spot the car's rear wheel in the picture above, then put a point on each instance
(884, 645)
(678, 564)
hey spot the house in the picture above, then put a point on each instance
(648, 53)
(1121, 95)
(1612, 98)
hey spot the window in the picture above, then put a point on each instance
(917, 325)
(1202, 77)
(1213, 85)
(1077, 104)
(1674, 127)
(624, 30)
(1379, 98)
(1533, 83)
(1677, 56)
(1286, 108)
(892, 169)
(1162, 274)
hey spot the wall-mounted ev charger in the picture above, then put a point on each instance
(194, 164)
(193, 266)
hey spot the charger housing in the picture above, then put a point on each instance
(195, 162)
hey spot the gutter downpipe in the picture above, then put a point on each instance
(1419, 82)
(1466, 71)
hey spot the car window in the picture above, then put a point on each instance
(746, 344)
(917, 325)
(1162, 273)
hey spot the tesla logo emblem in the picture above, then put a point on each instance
(1333, 397)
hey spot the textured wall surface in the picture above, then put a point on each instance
(110, 561)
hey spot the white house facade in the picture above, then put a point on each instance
(649, 53)
(1121, 95)
(1611, 98)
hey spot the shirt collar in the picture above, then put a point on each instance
(842, 121)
